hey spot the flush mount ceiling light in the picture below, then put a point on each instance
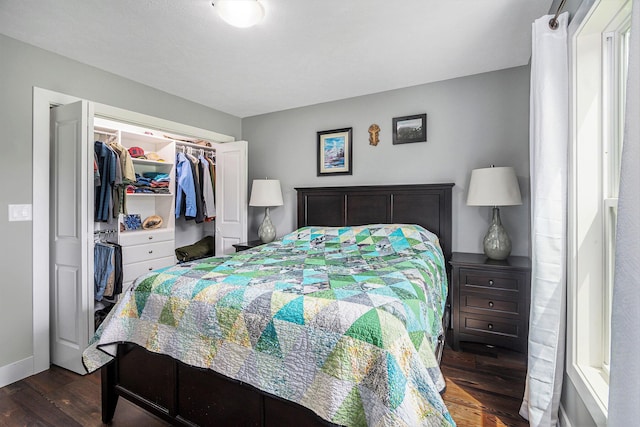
(240, 13)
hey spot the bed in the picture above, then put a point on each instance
(356, 352)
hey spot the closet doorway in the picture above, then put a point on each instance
(230, 224)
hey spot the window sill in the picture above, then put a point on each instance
(593, 390)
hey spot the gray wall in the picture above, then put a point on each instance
(472, 122)
(21, 67)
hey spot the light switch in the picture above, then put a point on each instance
(20, 213)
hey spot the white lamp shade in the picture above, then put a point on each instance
(240, 13)
(494, 187)
(266, 192)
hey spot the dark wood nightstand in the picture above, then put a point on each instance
(491, 300)
(247, 245)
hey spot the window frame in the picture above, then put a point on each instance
(597, 107)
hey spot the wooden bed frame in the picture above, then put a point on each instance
(186, 395)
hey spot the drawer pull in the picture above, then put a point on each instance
(490, 303)
(490, 282)
(150, 237)
(490, 326)
(150, 268)
(151, 251)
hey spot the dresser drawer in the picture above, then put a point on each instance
(487, 304)
(129, 238)
(132, 271)
(137, 253)
(472, 279)
(475, 324)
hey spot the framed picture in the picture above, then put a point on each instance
(410, 129)
(335, 152)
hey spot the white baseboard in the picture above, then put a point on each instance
(563, 419)
(16, 371)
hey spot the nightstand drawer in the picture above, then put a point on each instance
(490, 280)
(493, 306)
(489, 325)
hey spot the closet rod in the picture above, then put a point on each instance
(109, 231)
(553, 22)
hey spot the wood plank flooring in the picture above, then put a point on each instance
(484, 388)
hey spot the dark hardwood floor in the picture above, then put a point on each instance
(485, 385)
(484, 389)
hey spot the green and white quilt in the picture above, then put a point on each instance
(342, 320)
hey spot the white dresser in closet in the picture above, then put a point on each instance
(144, 251)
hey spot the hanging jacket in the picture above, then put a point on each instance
(185, 188)
(207, 188)
(107, 167)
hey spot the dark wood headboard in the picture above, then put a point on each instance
(428, 205)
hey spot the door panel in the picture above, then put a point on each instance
(231, 195)
(71, 291)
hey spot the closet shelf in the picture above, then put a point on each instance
(151, 162)
(149, 194)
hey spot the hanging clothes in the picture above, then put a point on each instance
(107, 169)
(207, 188)
(126, 163)
(185, 188)
(114, 284)
(199, 216)
(212, 170)
(117, 198)
(128, 176)
(102, 267)
(107, 272)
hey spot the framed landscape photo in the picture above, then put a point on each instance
(410, 129)
(335, 152)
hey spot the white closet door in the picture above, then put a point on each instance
(231, 195)
(71, 291)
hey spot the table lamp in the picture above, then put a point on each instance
(266, 193)
(495, 186)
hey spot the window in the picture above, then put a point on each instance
(599, 66)
(615, 59)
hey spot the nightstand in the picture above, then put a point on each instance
(247, 245)
(490, 300)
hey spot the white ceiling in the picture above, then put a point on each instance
(304, 52)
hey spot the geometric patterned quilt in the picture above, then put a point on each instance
(342, 320)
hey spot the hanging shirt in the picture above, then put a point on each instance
(126, 163)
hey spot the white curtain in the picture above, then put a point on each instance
(548, 145)
(624, 384)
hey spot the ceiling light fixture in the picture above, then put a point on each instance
(240, 13)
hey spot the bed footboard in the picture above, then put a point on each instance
(185, 395)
